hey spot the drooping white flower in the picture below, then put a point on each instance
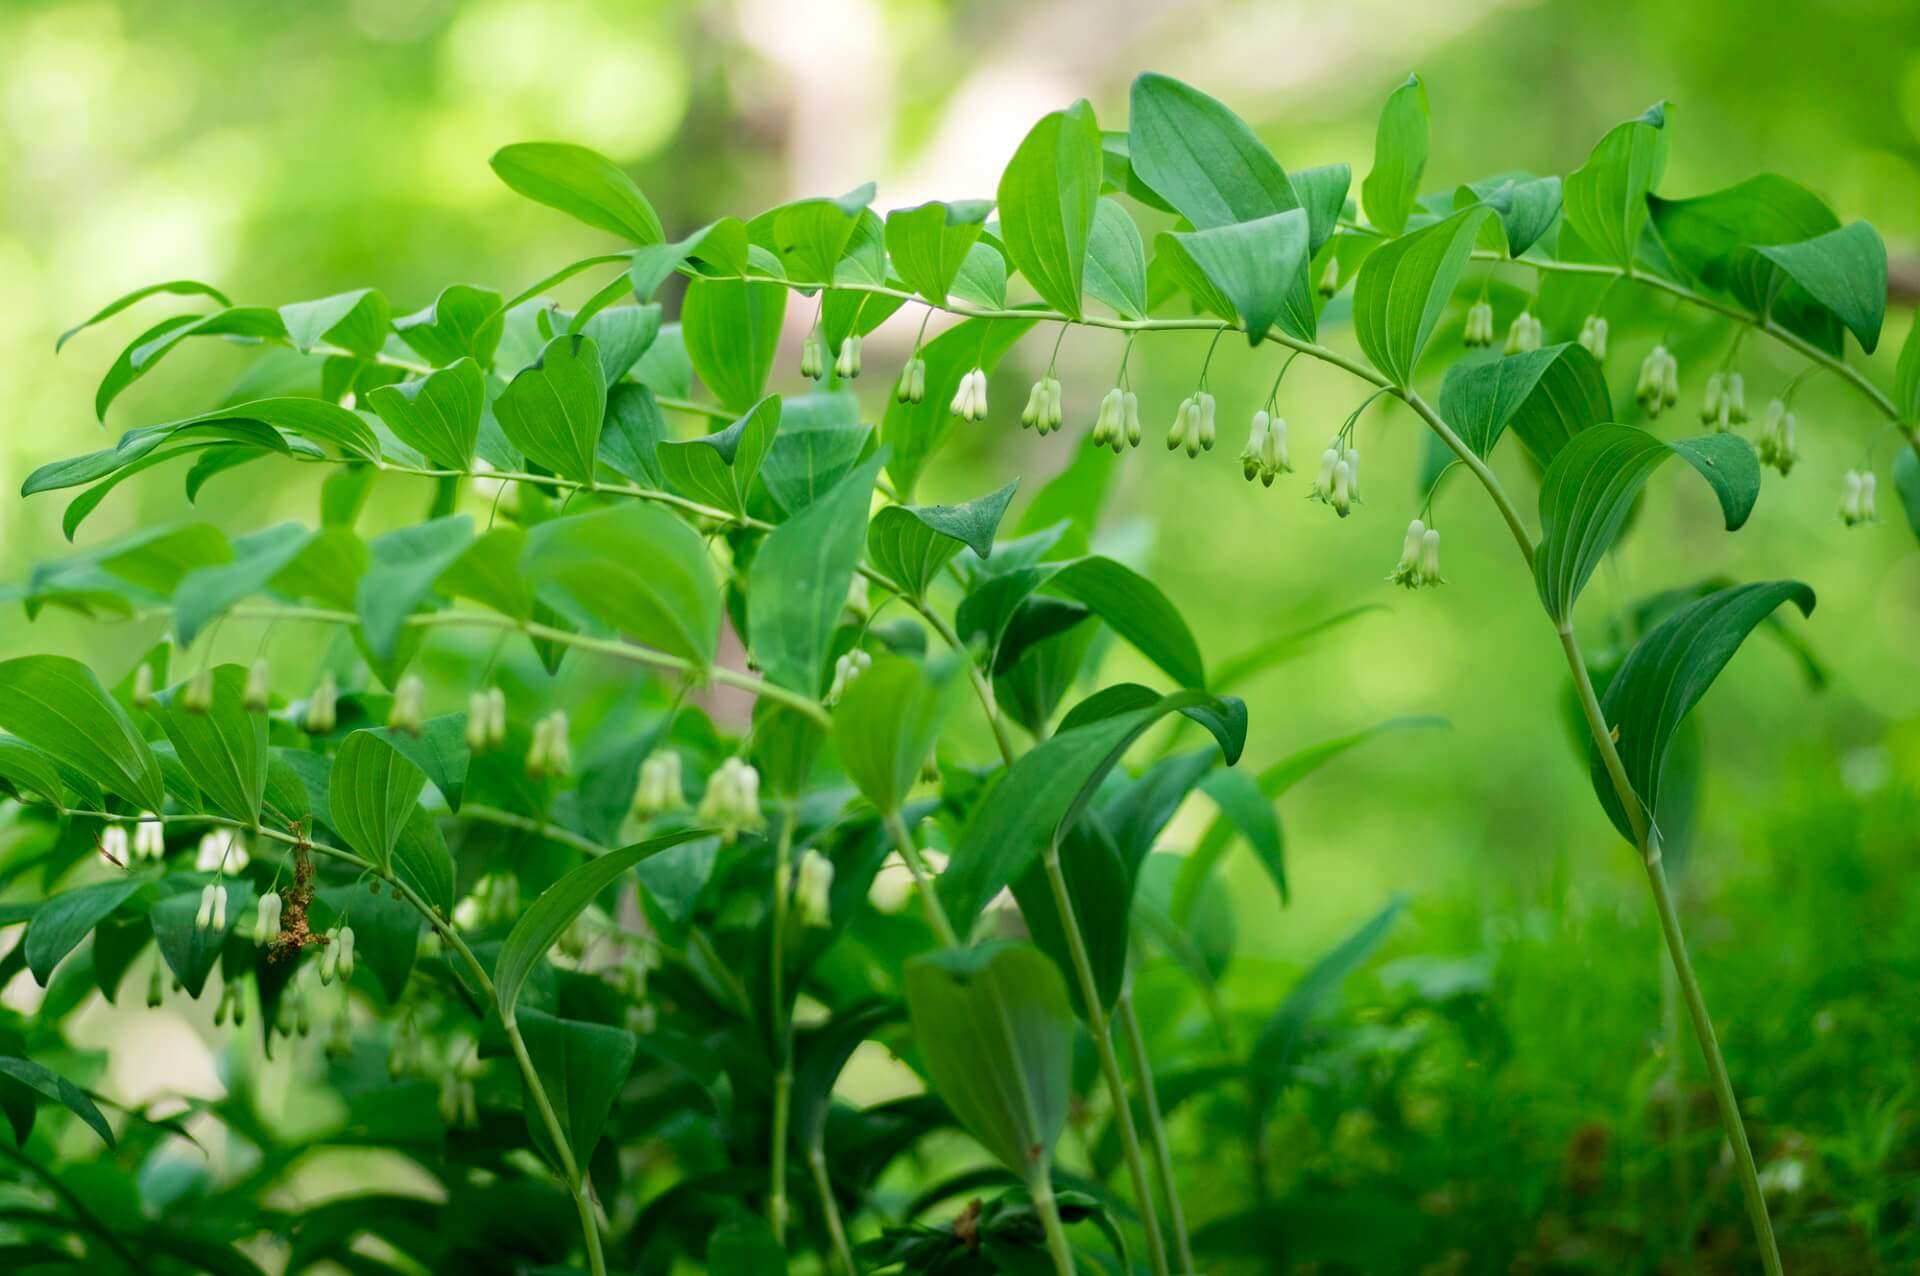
(113, 843)
(1479, 331)
(409, 705)
(659, 789)
(813, 889)
(266, 924)
(322, 712)
(1593, 335)
(259, 686)
(1776, 444)
(149, 837)
(1406, 572)
(732, 799)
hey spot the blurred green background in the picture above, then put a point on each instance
(285, 151)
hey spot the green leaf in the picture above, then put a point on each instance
(1526, 206)
(721, 245)
(541, 926)
(438, 414)
(732, 332)
(634, 567)
(1126, 600)
(1844, 270)
(26, 772)
(1046, 789)
(173, 287)
(915, 431)
(1116, 271)
(422, 862)
(745, 1247)
(1404, 287)
(797, 585)
(1253, 266)
(1399, 158)
(996, 1035)
(582, 1067)
(189, 950)
(718, 469)
(1906, 481)
(356, 321)
(1547, 395)
(581, 183)
(1201, 157)
(143, 354)
(1706, 233)
(553, 409)
(632, 434)
(370, 794)
(463, 322)
(57, 705)
(225, 748)
(206, 593)
(1665, 675)
(1047, 197)
(810, 236)
(1605, 200)
(887, 723)
(1100, 890)
(912, 543)
(386, 933)
(1280, 1036)
(929, 243)
(983, 277)
(1590, 488)
(44, 1081)
(1906, 379)
(60, 923)
(439, 749)
(821, 438)
(623, 334)
(404, 566)
(489, 573)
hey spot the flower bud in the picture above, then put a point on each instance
(1330, 277)
(912, 386)
(322, 715)
(659, 788)
(813, 362)
(1856, 500)
(1250, 455)
(1322, 489)
(1524, 335)
(846, 365)
(1109, 426)
(1710, 404)
(142, 685)
(330, 956)
(1208, 434)
(259, 686)
(1734, 409)
(408, 706)
(1342, 497)
(1776, 443)
(732, 799)
(812, 889)
(1593, 335)
(149, 837)
(198, 697)
(1134, 432)
(550, 754)
(848, 667)
(1430, 558)
(266, 924)
(1177, 432)
(213, 908)
(496, 717)
(113, 843)
(1273, 457)
(226, 1003)
(1479, 325)
(479, 714)
(1034, 415)
(343, 941)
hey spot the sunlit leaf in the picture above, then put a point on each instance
(1399, 158)
(581, 183)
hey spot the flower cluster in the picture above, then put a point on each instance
(811, 886)
(1479, 325)
(149, 837)
(1419, 557)
(1659, 386)
(1524, 335)
(1338, 483)
(1043, 411)
(912, 385)
(220, 849)
(213, 907)
(1593, 335)
(732, 800)
(846, 364)
(1776, 442)
(659, 789)
(1265, 454)
(550, 753)
(338, 959)
(1193, 424)
(845, 670)
(970, 400)
(1725, 404)
(266, 924)
(1118, 425)
(1856, 498)
(486, 720)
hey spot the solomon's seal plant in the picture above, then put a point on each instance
(592, 949)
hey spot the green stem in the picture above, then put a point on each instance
(1156, 1128)
(1040, 1188)
(1102, 1032)
(783, 1035)
(830, 1209)
(922, 880)
(1677, 1115)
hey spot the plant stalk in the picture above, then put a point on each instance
(830, 1209)
(1156, 1128)
(923, 881)
(783, 1036)
(1102, 1030)
(1040, 1188)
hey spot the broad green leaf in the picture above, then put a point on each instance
(357, 322)
(225, 748)
(541, 926)
(732, 332)
(1844, 270)
(1590, 488)
(60, 923)
(488, 572)
(57, 705)
(912, 543)
(1100, 891)
(887, 723)
(1399, 158)
(983, 277)
(1526, 206)
(1546, 395)
(821, 438)
(189, 950)
(28, 774)
(1706, 233)
(1047, 788)
(995, 1032)
(632, 434)
(316, 420)
(206, 593)
(622, 334)
(1906, 379)
(370, 795)
(439, 749)
(1906, 481)
(1250, 811)
(1404, 287)
(1126, 600)
(810, 236)
(1252, 265)
(929, 243)
(1116, 272)
(915, 431)
(1665, 675)
(553, 409)
(463, 322)
(1279, 1039)
(1322, 191)
(173, 287)
(1031, 686)
(745, 1247)
(1201, 157)
(721, 245)
(404, 566)
(1047, 198)
(797, 585)
(439, 414)
(422, 862)
(143, 354)
(718, 469)
(1605, 200)
(634, 567)
(582, 1067)
(44, 1081)
(581, 183)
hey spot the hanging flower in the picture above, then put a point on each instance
(1593, 335)
(259, 686)
(659, 789)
